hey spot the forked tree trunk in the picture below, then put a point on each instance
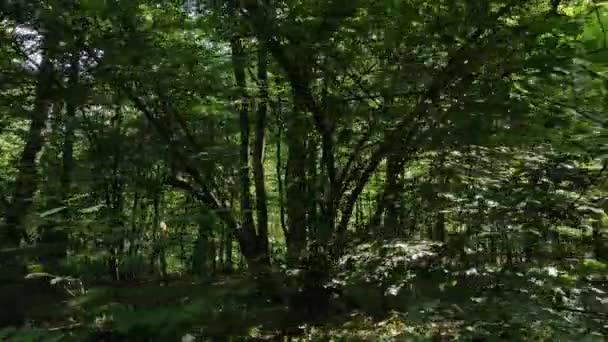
(26, 183)
(238, 64)
(257, 256)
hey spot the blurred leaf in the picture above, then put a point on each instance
(52, 211)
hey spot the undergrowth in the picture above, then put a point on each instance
(389, 292)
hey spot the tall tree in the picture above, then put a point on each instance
(258, 150)
(27, 182)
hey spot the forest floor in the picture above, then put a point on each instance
(531, 302)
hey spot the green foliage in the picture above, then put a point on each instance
(528, 303)
(447, 160)
(30, 335)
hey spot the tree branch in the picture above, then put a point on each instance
(395, 141)
(205, 195)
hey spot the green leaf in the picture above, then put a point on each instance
(92, 209)
(36, 275)
(592, 263)
(52, 211)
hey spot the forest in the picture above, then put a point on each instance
(303, 170)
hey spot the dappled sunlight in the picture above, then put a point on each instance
(290, 170)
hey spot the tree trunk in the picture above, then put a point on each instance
(257, 258)
(328, 186)
(52, 233)
(393, 191)
(386, 216)
(258, 155)
(229, 266)
(212, 253)
(200, 253)
(315, 228)
(279, 170)
(296, 184)
(69, 128)
(133, 234)
(439, 228)
(155, 234)
(26, 183)
(246, 238)
(598, 243)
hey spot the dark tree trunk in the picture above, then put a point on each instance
(26, 183)
(258, 155)
(200, 253)
(439, 228)
(598, 244)
(328, 185)
(155, 233)
(296, 184)
(52, 233)
(212, 253)
(244, 181)
(133, 234)
(229, 266)
(16, 211)
(386, 216)
(441, 185)
(279, 170)
(246, 238)
(69, 129)
(314, 200)
(257, 258)
(394, 189)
